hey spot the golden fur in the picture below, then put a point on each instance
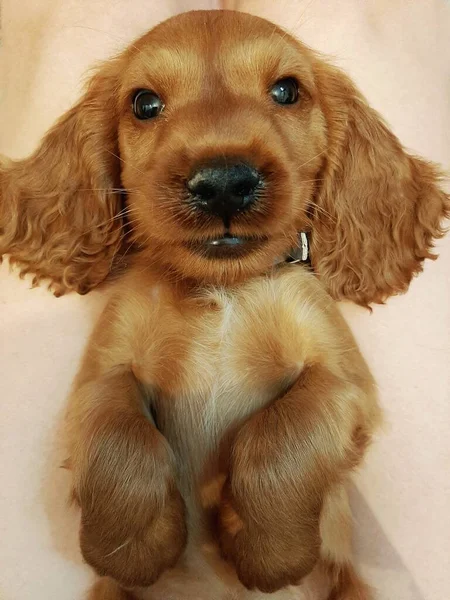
(222, 404)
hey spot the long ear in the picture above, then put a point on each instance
(58, 207)
(378, 210)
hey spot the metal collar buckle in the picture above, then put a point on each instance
(300, 253)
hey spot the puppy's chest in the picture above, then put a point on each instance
(222, 361)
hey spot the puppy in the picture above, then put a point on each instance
(222, 402)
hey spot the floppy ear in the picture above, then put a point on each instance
(57, 207)
(378, 209)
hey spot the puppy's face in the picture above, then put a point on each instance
(221, 137)
(229, 137)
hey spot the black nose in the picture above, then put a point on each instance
(224, 190)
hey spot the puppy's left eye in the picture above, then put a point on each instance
(285, 91)
(147, 105)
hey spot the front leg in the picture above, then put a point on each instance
(132, 515)
(284, 461)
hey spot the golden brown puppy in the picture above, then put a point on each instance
(222, 402)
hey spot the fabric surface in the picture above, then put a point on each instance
(398, 51)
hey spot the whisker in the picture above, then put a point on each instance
(299, 21)
(123, 161)
(109, 189)
(119, 215)
(311, 159)
(324, 212)
(311, 180)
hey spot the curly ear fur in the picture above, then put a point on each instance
(385, 207)
(58, 207)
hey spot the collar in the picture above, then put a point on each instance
(299, 254)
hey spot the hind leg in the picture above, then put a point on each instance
(336, 551)
(108, 589)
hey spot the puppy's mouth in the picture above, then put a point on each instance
(227, 246)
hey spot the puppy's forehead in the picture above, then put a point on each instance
(233, 49)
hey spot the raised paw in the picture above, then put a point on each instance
(268, 548)
(132, 514)
(139, 558)
(270, 507)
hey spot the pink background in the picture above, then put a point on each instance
(398, 51)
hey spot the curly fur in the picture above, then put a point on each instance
(385, 207)
(59, 211)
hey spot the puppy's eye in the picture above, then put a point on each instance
(285, 91)
(147, 105)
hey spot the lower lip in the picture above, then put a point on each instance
(227, 247)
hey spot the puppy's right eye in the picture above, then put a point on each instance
(147, 105)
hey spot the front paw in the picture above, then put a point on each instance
(130, 550)
(270, 508)
(269, 546)
(132, 514)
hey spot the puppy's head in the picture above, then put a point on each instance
(228, 137)
(222, 138)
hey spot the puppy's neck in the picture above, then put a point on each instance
(189, 287)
